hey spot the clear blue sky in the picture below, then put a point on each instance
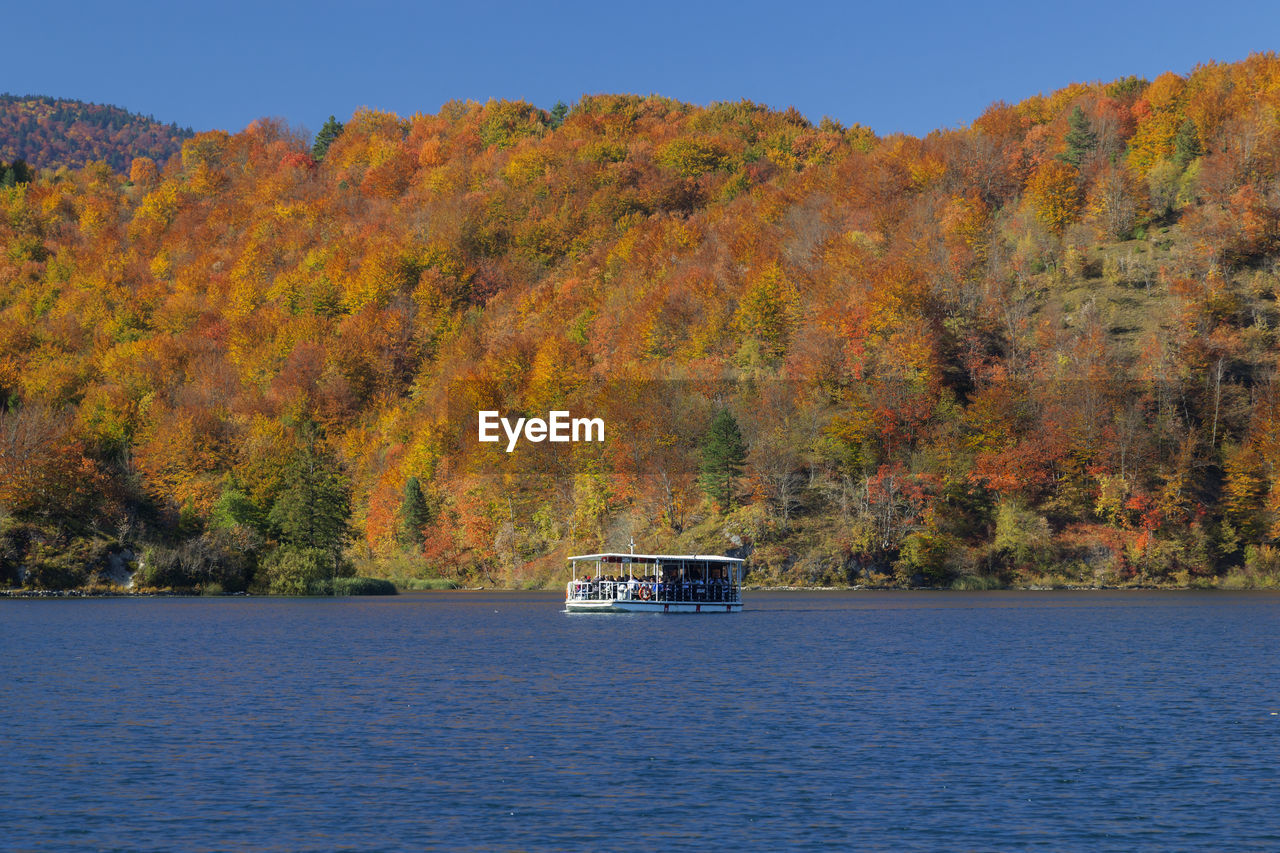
(894, 66)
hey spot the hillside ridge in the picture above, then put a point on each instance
(51, 132)
(1037, 350)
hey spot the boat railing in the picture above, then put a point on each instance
(660, 591)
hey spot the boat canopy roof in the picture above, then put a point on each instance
(654, 558)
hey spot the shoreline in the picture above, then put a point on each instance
(75, 593)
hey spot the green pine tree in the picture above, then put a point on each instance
(313, 512)
(331, 131)
(17, 172)
(1186, 145)
(414, 514)
(724, 454)
(558, 112)
(1080, 138)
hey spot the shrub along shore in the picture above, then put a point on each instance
(36, 561)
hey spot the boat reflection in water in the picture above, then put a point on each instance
(654, 583)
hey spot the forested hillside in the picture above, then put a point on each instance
(1039, 349)
(51, 132)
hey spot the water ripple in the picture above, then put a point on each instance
(876, 721)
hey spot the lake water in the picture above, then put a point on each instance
(872, 720)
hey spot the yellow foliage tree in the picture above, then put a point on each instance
(1054, 194)
(143, 171)
(1159, 115)
(1115, 203)
(767, 311)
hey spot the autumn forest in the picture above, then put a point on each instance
(1037, 350)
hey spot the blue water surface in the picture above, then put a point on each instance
(496, 721)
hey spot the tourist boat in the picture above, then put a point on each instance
(654, 583)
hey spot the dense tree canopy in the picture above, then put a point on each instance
(1040, 347)
(53, 132)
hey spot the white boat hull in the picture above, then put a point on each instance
(580, 605)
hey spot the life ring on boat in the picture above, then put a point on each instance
(644, 593)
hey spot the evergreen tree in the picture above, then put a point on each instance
(1080, 138)
(558, 112)
(724, 454)
(17, 172)
(331, 131)
(414, 514)
(313, 511)
(1186, 145)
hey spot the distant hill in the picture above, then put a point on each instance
(50, 132)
